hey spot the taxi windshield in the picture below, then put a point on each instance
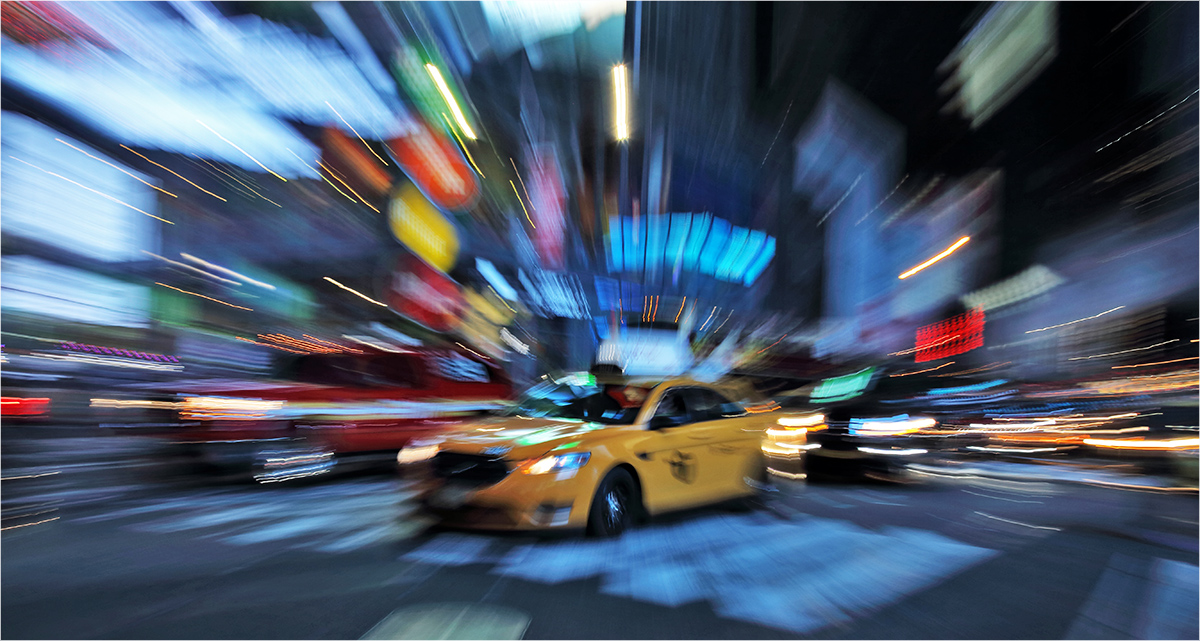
(611, 404)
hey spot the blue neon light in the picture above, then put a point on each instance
(688, 243)
(741, 264)
(714, 248)
(737, 244)
(701, 223)
(760, 262)
(968, 388)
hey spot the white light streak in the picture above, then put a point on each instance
(1079, 320)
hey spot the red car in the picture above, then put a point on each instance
(322, 408)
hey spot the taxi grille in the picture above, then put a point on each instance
(473, 469)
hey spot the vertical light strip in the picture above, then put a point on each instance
(450, 101)
(621, 102)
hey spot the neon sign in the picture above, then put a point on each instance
(952, 336)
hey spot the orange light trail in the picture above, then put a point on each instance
(946, 252)
(175, 174)
(243, 152)
(128, 173)
(360, 138)
(681, 305)
(1177, 360)
(773, 345)
(99, 193)
(654, 315)
(269, 345)
(203, 296)
(920, 371)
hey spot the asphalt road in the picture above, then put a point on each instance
(946, 557)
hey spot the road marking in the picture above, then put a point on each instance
(1001, 498)
(451, 621)
(1036, 527)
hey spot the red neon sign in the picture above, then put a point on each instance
(952, 336)
(434, 164)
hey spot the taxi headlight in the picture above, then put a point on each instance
(417, 453)
(558, 463)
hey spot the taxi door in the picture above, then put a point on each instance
(677, 464)
(733, 440)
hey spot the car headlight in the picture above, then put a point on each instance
(558, 463)
(417, 453)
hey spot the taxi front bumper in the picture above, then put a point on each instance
(519, 501)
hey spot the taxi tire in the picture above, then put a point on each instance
(614, 506)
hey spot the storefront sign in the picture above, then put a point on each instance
(419, 226)
(433, 162)
(424, 295)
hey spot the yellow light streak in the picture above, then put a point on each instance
(1177, 360)
(946, 252)
(502, 299)
(522, 181)
(450, 101)
(347, 186)
(243, 151)
(802, 421)
(360, 138)
(98, 193)
(462, 145)
(1078, 320)
(118, 168)
(175, 174)
(654, 316)
(317, 172)
(621, 101)
(681, 305)
(356, 292)
(203, 296)
(522, 205)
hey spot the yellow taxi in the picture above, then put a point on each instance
(594, 453)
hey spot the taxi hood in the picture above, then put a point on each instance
(519, 438)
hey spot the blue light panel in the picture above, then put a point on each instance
(760, 262)
(737, 244)
(698, 233)
(656, 242)
(616, 244)
(680, 224)
(741, 263)
(714, 247)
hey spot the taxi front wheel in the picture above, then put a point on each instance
(614, 504)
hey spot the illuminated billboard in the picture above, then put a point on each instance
(952, 336)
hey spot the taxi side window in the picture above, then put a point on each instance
(671, 410)
(708, 405)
